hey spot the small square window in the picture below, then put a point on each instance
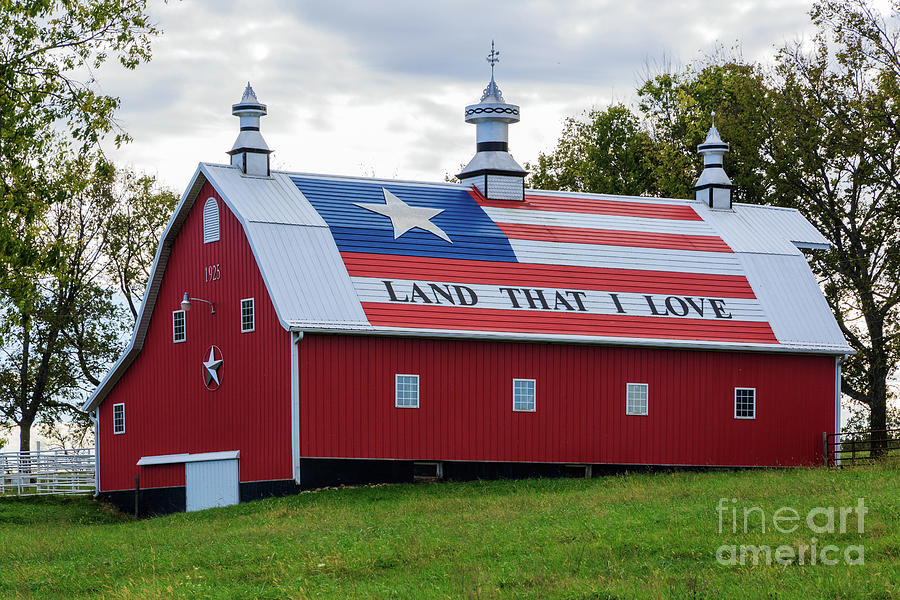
(178, 329)
(118, 418)
(406, 391)
(744, 403)
(248, 315)
(523, 395)
(636, 398)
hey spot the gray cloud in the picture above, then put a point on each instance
(570, 42)
(351, 83)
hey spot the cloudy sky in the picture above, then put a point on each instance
(378, 88)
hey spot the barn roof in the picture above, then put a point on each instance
(375, 256)
(558, 266)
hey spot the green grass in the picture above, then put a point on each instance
(634, 536)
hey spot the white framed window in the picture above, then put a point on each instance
(179, 333)
(744, 403)
(523, 395)
(406, 391)
(637, 398)
(118, 418)
(248, 315)
(210, 221)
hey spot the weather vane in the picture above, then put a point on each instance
(493, 58)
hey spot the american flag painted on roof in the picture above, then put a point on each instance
(442, 258)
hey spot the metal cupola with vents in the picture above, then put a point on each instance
(493, 171)
(713, 187)
(250, 153)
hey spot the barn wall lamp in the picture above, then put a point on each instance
(186, 304)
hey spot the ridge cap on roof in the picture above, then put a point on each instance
(212, 164)
(451, 184)
(364, 178)
(768, 206)
(528, 191)
(604, 196)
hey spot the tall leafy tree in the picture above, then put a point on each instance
(52, 120)
(612, 137)
(678, 109)
(133, 232)
(817, 130)
(49, 102)
(652, 148)
(837, 158)
(61, 327)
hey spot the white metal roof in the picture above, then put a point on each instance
(293, 246)
(763, 229)
(790, 296)
(254, 199)
(307, 281)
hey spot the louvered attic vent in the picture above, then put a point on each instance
(211, 221)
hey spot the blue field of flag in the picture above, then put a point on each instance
(473, 235)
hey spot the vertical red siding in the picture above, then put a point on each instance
(161, 475)
(168, 409)
(347, 403)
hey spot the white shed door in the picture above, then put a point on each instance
(211, 483)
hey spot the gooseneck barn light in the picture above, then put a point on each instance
(186, 304)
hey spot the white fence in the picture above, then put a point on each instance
(45, 472)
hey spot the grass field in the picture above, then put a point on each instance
(634, 536)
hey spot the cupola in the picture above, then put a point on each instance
(250, 153)
(714, 187)
(493, 171)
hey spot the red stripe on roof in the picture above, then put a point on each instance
(612, 237)
(546, 276)
(595, 206)
(565, 323)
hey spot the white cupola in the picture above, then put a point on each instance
(493, 171)
(250, 153)
(714, 187)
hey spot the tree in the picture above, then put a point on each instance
(857, 425)
(818, 131)
(45, 109)
(652, 150)
(61, 327)
(55, 324)
(837, 158)
(678, 109)
(133, 233)
(613, 138)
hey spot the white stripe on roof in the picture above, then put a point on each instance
(623, 257)
(591, 221)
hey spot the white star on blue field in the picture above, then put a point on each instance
(405, 217)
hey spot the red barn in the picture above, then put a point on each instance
(302, 330)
